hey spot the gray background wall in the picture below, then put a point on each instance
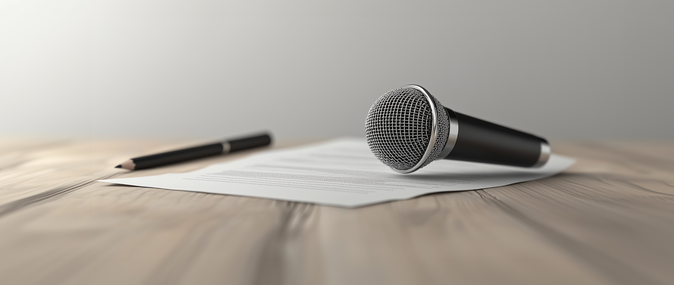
(562, 69)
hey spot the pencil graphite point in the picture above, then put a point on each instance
(128, 165)
(118, 166)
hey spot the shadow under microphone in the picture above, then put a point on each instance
(408, 128)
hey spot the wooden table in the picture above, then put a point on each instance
(609, 219)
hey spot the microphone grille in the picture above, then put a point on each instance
(399, 128)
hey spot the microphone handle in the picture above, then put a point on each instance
(485, 142)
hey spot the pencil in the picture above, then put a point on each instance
(175, 156)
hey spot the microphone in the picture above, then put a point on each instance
(407, 128)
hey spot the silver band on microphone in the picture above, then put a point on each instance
(452, 136)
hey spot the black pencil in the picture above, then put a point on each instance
(223, 147)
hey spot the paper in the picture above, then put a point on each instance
(342, 173)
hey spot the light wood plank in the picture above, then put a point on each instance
(607, 220)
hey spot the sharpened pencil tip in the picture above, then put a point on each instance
(118, 166)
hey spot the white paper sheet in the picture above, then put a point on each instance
(342, 173)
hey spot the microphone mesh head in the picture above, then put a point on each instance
(399, 128)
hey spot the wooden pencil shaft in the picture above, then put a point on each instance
(177, 156)
(201, 151)
(248, 142)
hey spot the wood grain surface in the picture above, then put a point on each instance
(607, 220)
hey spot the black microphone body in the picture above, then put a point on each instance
(485, 142)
